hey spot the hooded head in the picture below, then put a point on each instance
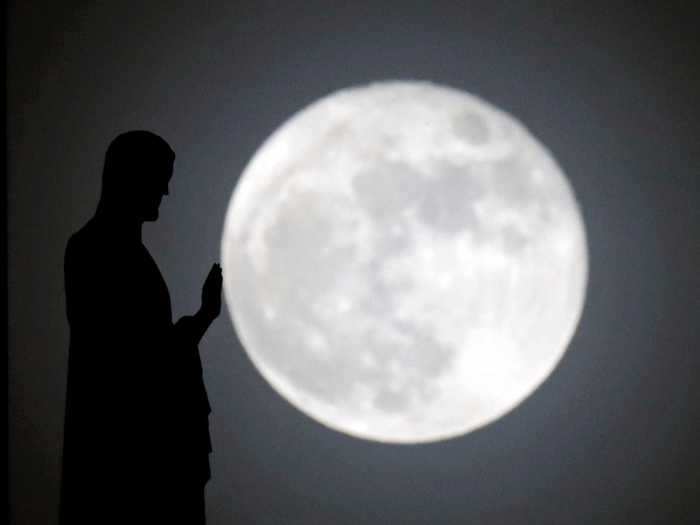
(138, 167)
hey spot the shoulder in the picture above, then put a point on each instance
(84, 244)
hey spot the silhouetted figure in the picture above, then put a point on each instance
(136, 438)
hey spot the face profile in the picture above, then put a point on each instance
(137, 170)
(150, 194)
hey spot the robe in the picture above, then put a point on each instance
(136, 434)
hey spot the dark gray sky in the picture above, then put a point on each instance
(611, 437)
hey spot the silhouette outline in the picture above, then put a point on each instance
(136, 435)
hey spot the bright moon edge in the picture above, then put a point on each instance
(273, 169)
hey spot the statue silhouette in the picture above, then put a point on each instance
(136, 435)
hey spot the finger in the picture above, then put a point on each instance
(215, 271)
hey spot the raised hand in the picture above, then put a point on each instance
(211, 293)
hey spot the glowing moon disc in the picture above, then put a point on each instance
(404, 262)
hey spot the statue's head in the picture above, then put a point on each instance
(138, 167)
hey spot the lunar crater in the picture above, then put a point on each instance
(471, 127)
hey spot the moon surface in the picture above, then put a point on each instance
(404, 262)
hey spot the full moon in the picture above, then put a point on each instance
(404, 262)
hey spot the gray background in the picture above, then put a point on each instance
(611, 435)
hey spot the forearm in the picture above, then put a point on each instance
(202, 321)
(193, 327)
